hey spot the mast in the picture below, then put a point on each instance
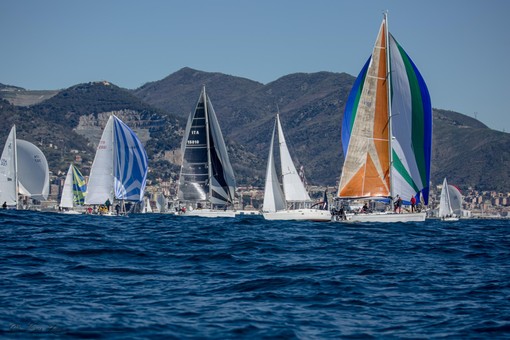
(16, 167)
(388, 82)
(114, 157)
(207, 132)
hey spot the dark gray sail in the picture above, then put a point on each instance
(206, 172)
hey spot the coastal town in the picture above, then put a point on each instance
(476, 204)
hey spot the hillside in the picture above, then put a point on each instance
(74, 119)
(311, 107)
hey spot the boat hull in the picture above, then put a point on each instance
(449, 219)
(209, 213)
(384, 217)
(299, 215)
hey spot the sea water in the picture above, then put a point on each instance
(164, 276)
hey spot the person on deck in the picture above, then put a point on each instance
(413, 204)
(398, 205)
(107, 204)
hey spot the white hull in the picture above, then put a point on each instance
(247, 212)
(386, 217)
(72, 212)
(209, 213)
(299, 215)
(449, 219)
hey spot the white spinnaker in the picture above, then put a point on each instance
(33, 171)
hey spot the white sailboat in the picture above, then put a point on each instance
(146, 206)
(449, 203)
(293, 203)
(119, 170)
(387, 133)
(206, 181)
(8, 172)
(23, 170)
(73, 192)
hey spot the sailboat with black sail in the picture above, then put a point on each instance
(206, 181)
(387, 133)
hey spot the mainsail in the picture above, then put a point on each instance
(274, 199)
(73, 192)
(120, 166)
(445, 208)
(8, 177)
(206, 173)
(388, 98)
(293, 186)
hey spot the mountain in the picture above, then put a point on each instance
(311, 107)
(74, 118)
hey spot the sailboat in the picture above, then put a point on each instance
(206, 181)
(449, 202)
(73, 192)
(23, 170)
(120, 166)
(293, 202)
(387, 133)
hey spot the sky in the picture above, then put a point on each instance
(461, 47)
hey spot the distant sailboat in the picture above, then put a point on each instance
(387, 132)
(73, 192)
(206, 181)
(120, 166)
(23, 170)
(8, 172)
(449, 203)
(293, 203)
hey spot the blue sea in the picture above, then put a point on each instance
(167, 277)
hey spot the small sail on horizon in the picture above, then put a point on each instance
(73, 192)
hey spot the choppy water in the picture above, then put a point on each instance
(162, 276)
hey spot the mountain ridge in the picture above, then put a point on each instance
(311, 108)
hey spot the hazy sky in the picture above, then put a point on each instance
(462, 47)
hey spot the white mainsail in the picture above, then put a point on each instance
(293, 186)
(67, 199)
(8, 177)
(100, 185)
(445, 208)
(274, 199)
